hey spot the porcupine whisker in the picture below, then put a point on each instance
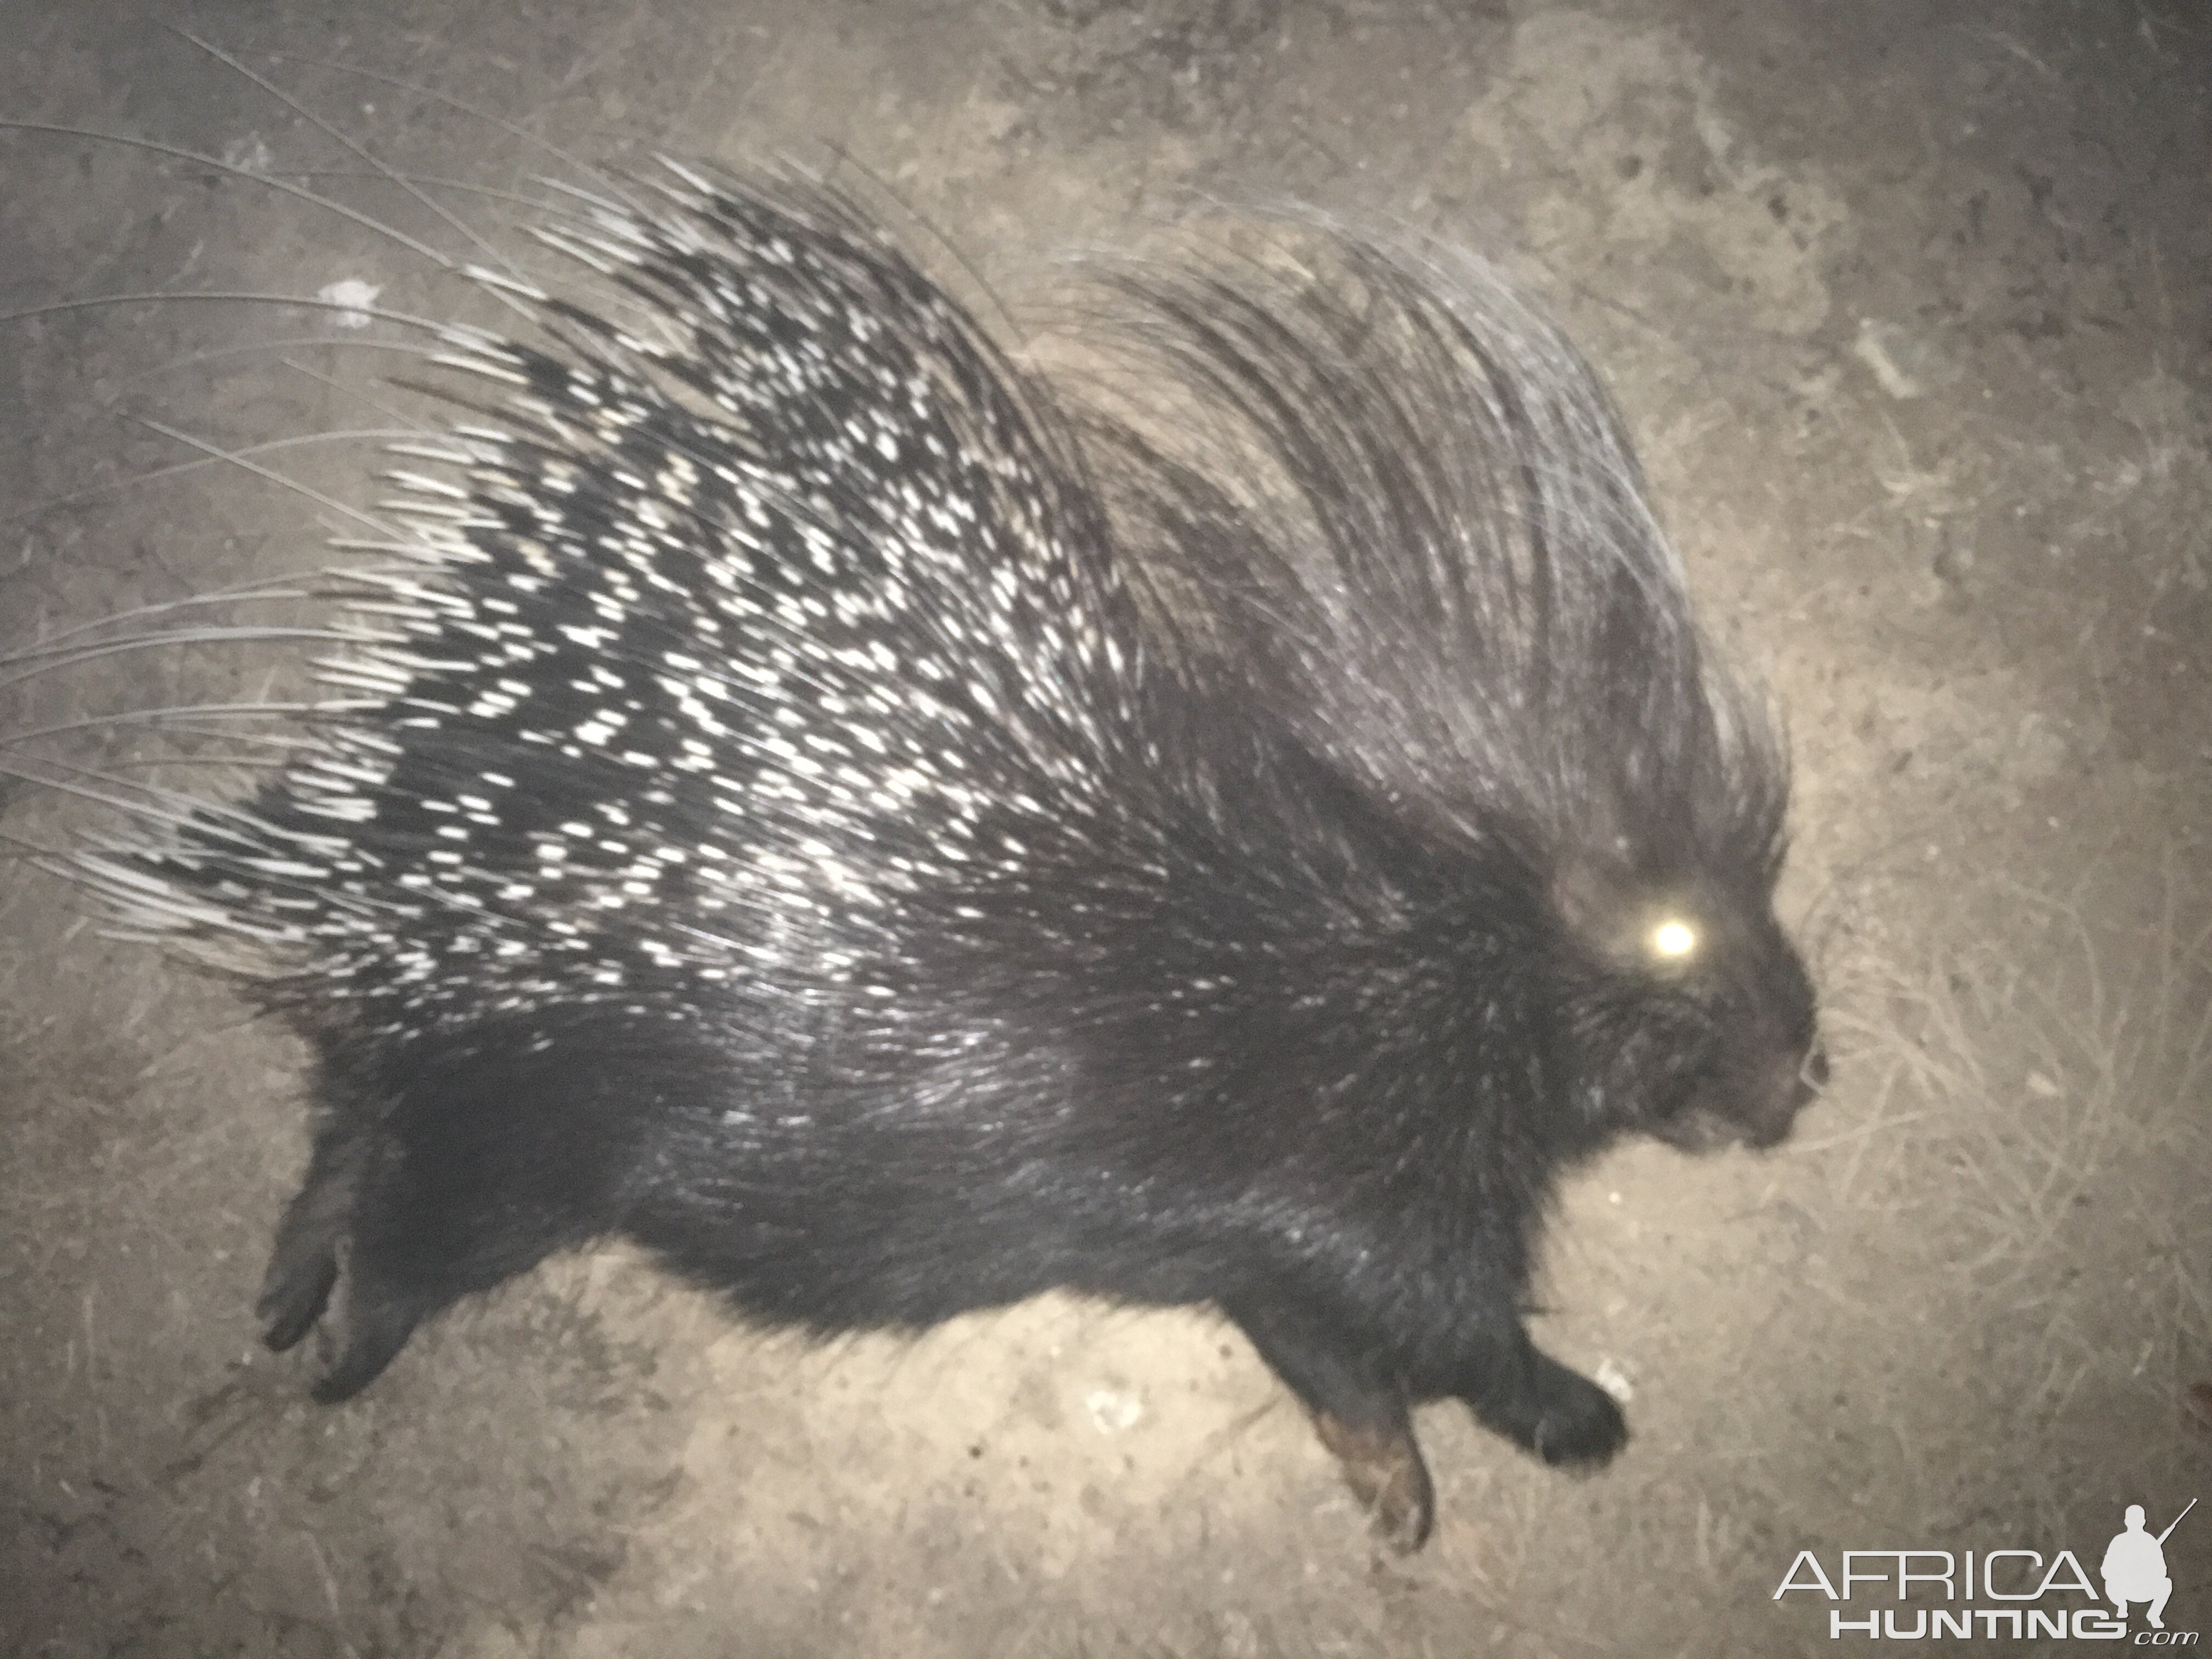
(421, 428)
(509, 288)
(246, 463)
(169, 719)
(191, 809)
(160, 798)
(272, 589)
(436, 259)
(235, 296)
(324, 584)
(582, 169)
(269, 445)
(113, 775)
(201, 359)
(259, 348)
(446, 216)
(537, 207)
(164, 638)
(105, 863)
(597, 208)
(108, 787)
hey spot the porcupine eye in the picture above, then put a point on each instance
(1661, 937)
(1650, 1034)
(1673, 940)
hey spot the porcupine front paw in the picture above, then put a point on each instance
(1540, 1405)
(1578, 1424)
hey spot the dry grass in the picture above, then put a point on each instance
(2036, 1098)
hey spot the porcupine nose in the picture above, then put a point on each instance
(1790, 1087)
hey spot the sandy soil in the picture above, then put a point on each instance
(1909, 308)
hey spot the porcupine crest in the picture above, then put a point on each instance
(1441, 558)
(769, 603)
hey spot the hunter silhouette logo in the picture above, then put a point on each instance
(1998, 1594)
(2135, 1565)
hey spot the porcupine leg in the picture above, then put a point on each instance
(1525, 1395)
(372, 1315)
(375, 1316)
(476, 1157)
(320, 1247)
(304, 1265)
(1360, 1413)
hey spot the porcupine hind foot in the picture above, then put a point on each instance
(1360, 1412)
(366, 1327)
(319, 1274)
(453, 1164)
(1384, 1468)
(303, 1268)
(297, 1288)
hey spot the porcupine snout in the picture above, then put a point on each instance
(1769, 1063)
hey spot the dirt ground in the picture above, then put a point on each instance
(1909, 308)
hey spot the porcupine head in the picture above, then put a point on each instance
(1409, 515)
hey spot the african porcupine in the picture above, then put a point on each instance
(768, 825)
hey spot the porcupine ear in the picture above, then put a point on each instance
(1395, 492)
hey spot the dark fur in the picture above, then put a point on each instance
(1282, 971)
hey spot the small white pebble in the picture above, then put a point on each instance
(353, 295)
(1614, 1380)
(1113, 1410)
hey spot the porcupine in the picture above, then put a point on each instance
(775, 818)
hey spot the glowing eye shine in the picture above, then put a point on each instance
(1673, 939)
